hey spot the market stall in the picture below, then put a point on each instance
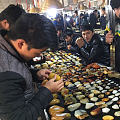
(90, 92)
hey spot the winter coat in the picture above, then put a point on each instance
(95, 51)
(18, 99)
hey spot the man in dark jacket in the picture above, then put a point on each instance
(115, 4)
(103, 19)
(92, 47)
(93, 19)
(70, 38)
(31, 35)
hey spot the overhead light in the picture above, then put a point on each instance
(48, 4)
(51, 13)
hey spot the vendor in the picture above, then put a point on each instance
(92, 47)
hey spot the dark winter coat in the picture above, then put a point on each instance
(95, 51)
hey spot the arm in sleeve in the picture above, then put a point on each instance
(92, 54)
(12, 101)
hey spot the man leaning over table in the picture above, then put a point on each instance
(27, 38)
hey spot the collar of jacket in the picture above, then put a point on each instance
(5, 45)
(94, 38)
(69, 43)
(3, 32)
(117, 20)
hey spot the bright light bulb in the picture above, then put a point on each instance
(52, 12)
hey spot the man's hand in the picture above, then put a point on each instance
(43, 73)
(80, 42)
(109, 37)
(68, 47)
(54, 86)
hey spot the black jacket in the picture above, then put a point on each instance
(103, 22)
(17, 92)
(117, 44)
(117, 52)
(73, 49)
(93, 20)
(95, 51)
(12, 101)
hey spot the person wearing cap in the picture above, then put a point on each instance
(27, 38)
(92, 47)
(115, 4)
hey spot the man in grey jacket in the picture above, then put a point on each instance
(31, 35)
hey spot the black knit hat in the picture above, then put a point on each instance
(86, 27)
(37, 30)
(69, 32)
(115, 4)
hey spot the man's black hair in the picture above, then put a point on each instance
(81, 14)
(86, 27)
(58, 27)
(11, 13)
(37, 30)
(68, 32)
(103, 8)
(95, 11)
(76, 12)
(115, 4)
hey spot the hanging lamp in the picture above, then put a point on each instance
(48, 4)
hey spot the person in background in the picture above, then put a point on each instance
(70, 39)
(9, 16)
(27, 38)
(68, 22)
(103, 19)
(59, 34)
(115, 4)
(76, 19)
(91, 47)
(83, 20)
(61, 21)
(93, 19)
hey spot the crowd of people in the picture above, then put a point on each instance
(24, 36)
(86, 44)
(77, 20)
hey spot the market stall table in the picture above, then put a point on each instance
(89, 92)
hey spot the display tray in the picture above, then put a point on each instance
(87, 80)
(114, 86)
